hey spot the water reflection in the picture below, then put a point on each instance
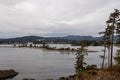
(44, 64)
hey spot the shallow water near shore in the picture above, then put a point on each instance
(43, 64)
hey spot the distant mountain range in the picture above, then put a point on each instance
(24, 38)
(77, 37)
(38, 38)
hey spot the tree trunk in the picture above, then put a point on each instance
(103, 58)
(109, 57)
(111, 61)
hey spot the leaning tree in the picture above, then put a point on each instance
(105, 41)
(113, 28)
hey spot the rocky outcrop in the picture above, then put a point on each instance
(7, 74)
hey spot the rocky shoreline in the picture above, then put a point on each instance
(96, 74)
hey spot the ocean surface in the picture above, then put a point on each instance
(42, 64)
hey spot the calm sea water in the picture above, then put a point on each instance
(43, 64)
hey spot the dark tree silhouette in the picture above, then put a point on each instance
(106, 44)
(113, 28)
(80, 64)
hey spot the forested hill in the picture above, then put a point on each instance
(39, 38)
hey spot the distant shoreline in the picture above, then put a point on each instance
(46, 48)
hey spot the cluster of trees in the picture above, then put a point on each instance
(112, 29)
(88, 43)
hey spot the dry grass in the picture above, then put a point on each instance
(94, 75)
(100, 75)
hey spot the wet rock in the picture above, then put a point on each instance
(28, 79)
(49, 79)
(7, 74)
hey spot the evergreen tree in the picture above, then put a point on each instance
(80, 64)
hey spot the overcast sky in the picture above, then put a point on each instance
(54, 17)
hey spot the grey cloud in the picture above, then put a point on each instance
(9, 2)
(54, 17)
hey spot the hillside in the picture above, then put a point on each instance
(52, 39)
(24, 38)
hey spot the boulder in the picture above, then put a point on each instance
(7, 74)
